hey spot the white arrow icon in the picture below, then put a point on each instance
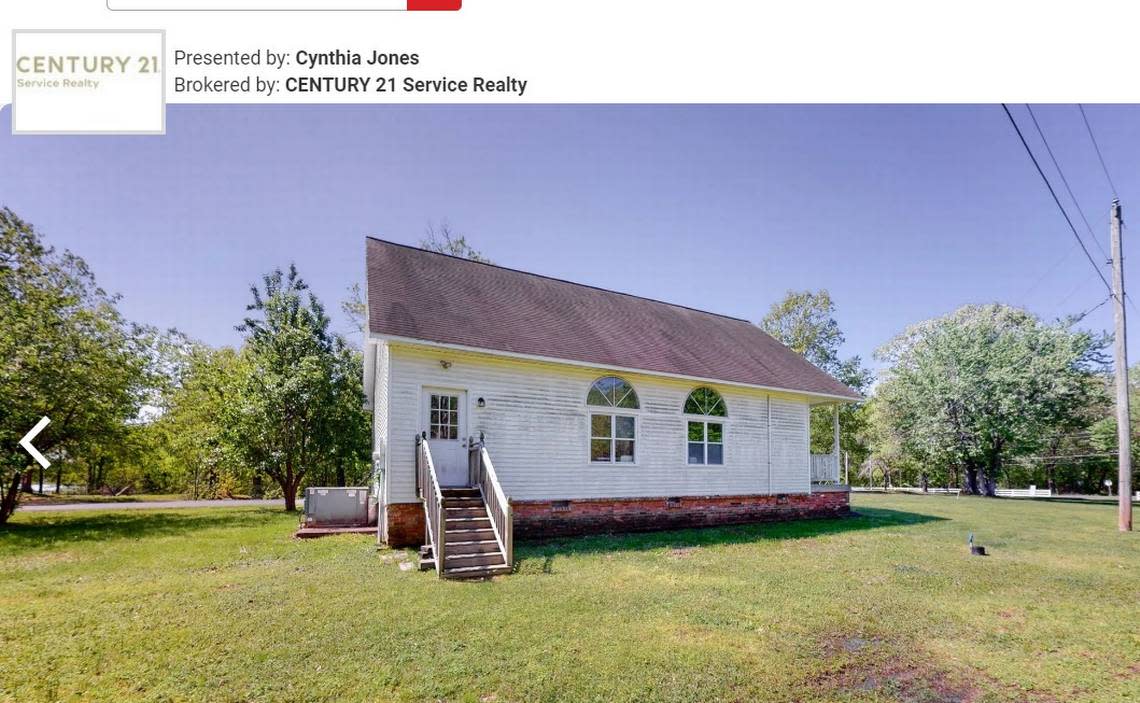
(26, 442)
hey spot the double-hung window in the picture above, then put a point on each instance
(705, 435)
(613, 433)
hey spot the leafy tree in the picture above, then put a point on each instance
(196, 448)
(348, 458)
(444, 241)
(285, 421)
(65, 352)
(355, 309)
(984, 384)
(1102, 437)
(805, 322)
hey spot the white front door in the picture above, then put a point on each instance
(445, 421)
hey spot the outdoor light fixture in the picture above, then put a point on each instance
(445, 364)
(481, 403)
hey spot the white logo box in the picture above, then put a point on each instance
(88, 82)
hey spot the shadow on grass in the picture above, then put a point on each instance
(544, 551)
(34, 530)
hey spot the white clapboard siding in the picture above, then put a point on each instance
(536, 425)
(380, 407)
(790, 447)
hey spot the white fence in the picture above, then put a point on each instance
(824, 468)
(905, 489)
(1031, 492)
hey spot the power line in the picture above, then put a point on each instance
(1065, 181)
(1053, 267)
(1076, 289)
(1097, 148)
(1084, 314)
(1055, 198)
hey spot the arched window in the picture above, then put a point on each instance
(612, 432)
(705, 438)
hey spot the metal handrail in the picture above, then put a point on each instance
(482, 473)
(433, 500)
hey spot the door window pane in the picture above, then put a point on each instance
(443, 418)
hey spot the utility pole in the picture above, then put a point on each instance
(1123, 416)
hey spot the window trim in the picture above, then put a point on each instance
(722, 420)
(719, 395)
(705, 420)
(432, 426)
(465, 418)
(612, 439)
(611, 411)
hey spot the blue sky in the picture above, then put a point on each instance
(902, 212)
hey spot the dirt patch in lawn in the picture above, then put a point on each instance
(872, 665)
(900, 682)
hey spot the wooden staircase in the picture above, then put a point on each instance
(471, 528)
(471, 549)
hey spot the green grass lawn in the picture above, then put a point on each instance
(219, 605)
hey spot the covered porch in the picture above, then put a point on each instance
(829, 469)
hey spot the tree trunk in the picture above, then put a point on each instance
(340, 478)
(991, 473)
(289, 488)
(990, 486)
(971, 472)
(11, 496)
(58, 478)
(26, 481)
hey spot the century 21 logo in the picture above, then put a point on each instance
(87, 64)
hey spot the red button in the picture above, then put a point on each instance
(434, 4)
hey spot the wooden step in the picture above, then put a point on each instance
(461, 492)
(470, 534)
(452, 561)
(481, 546)
(477, 572)
(464, 511)
(463, 502)
(467, 522)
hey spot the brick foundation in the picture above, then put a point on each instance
(405, 524)
(540, 519)
(544, 519)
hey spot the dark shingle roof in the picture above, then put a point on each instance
(433, 297)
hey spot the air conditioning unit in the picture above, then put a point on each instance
(337, 507)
